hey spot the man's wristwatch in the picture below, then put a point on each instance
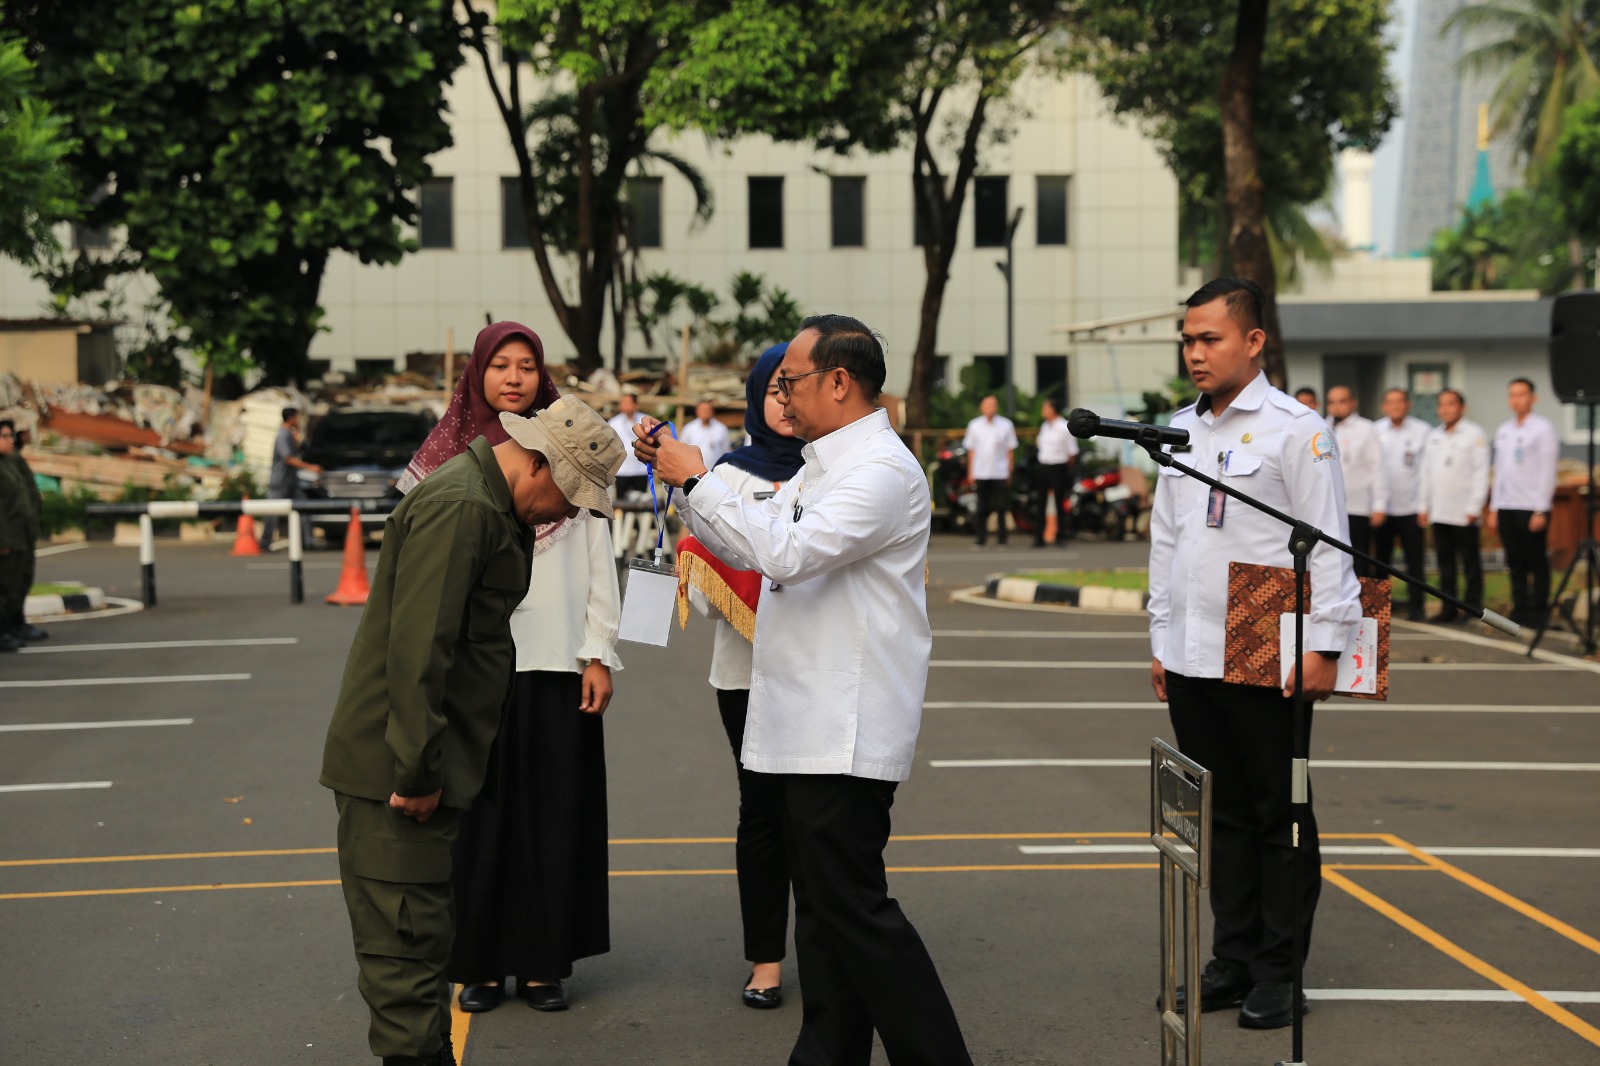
(688, 486)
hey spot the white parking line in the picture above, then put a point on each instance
(55, 786)
(72, 682)
(1520, 666)
(1352, 705)
(1326, 764)
(60, 549)
(46, 727)
(151, 645)
(1442, 995)
(1541, 654)
(1333, 849)
(1069, 634)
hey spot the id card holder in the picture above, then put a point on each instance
(648, 603)
(1215, 505)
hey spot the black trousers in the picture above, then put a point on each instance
(1361, 541)
(993, 498)
(862, 964)
(1528, 559)
(1055, 479)
(1459, 545)
(1403, 528)
(1244, 735)
(759, 852)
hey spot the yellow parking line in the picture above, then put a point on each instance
(1577, 936)
(1375, 866)
(1465, 957)
(163, 858)
(162, 888)
(460, 1022)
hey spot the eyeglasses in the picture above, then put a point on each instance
(785, 381)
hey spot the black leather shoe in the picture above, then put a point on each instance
(445, 1056)
(1267, 1006)
(1223, 983)
(544, 997)
(9, 642)
(762, 998)
(29, 633)
(479, 999)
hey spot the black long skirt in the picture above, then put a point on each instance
(530, 870)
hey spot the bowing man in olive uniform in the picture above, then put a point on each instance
(19, 531)
(424, 688)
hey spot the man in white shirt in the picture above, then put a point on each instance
(1455, 486)
(1366, 483)
(991, 443)
(706, 433)
(1271, 447)
(1058, 461)
(633, 476)
(1526, 451)
(1307, 396)
(1404, 440)
(839, 669)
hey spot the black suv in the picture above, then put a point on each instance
(362, 452)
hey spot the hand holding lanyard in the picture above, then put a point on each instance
(650, 471)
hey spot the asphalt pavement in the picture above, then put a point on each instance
(168, 891)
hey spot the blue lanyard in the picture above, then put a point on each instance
(650, 470)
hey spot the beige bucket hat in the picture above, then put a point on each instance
(584, 452)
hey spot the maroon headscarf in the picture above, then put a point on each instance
(470, 415)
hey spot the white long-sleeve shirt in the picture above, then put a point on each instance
(1366, 480)
(990, 442)
(710, 437)
(730, 652)
(1525, 457)
(572, 609)
(1403, 449)
(1057, 445)
(1455, 474)
(840, 660)
(1270, 446)
(623, 425)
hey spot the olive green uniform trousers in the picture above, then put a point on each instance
(396, 875)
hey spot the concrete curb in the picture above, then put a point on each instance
(55, 605)
(1094, 597)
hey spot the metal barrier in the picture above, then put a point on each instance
(1180, 804)
(148, 513)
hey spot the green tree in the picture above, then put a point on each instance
(1521, 241)
(36, 193)
(1544, 51)
(1575, 172)
(238, 145)
(1321, 87)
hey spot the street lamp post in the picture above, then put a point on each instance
(1004, 266)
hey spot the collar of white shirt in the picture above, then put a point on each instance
(836, 445)
(1250, 398)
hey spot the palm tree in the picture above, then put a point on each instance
(1545, 53)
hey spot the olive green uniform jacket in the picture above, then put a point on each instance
(430, 671)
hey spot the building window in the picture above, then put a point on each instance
(766, 212)
(991, 372)
(849, 224)
(436, 219)
(989, 212)
(1050, 379)
(941, 373)
(1051, 216)
(644, 211)
(513, 223)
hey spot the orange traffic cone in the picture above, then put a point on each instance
(353, 585)
(1050, 530)
(244, 540)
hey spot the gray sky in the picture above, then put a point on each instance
(1386, 161)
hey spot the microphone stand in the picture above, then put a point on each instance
(1302, 539)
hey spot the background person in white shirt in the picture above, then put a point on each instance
(1307, 396)
(1455, 486)
(839, 669)
(632, 477)
(1058, 464)
(706, 433)
(1269, 446)
(991, 443)
(1366, 482)
(1404, 440)
(1526, 451)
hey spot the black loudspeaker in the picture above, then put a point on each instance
(1575, 346)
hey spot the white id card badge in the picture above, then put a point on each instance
(1358, 666)
(648, 604)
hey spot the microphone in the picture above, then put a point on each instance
(1084, 424)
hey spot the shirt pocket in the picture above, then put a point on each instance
(504, 585)
(1184, 490)
(1242, 465)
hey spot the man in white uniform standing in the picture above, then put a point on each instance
(1455, 486)
(1366, 482)
(1404, 440)
(991, 444)
(706, 433)
(839, 669)
(632, 476)
(1269, 446)
(1058, 460)
(1526, 451)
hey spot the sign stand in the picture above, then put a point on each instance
(1180, 804)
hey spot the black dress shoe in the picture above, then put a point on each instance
(1267, 1006)
(1445, 618)
(544, 997)
(762, 998)
(445, 1056)
(478, 999)
(1223, 983)
(9, 642)
(29, 633)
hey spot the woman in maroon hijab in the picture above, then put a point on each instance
(530, 864)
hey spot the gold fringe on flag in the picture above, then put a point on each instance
(693, 570)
